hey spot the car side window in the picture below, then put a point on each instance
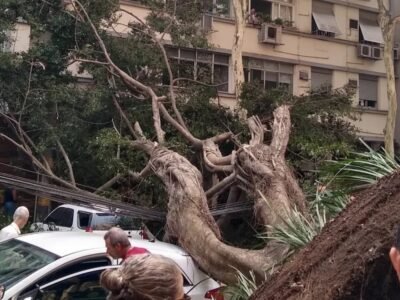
(83, 286)
(61, 216)
(84, 219)
(76, 266)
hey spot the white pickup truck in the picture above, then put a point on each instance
(69, 217)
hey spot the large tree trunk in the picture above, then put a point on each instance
(189, 220)
(349, 259)
(387, 26)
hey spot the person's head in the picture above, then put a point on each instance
(144, 277)
(21, 216)
(117, 242)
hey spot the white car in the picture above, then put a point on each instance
(68, 217)
(67, 265)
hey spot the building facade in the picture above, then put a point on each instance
(300, 44)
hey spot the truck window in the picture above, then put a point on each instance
(83, 219)
(61, 216)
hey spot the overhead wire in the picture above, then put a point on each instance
(36, 188)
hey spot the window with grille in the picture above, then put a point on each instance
(268, 73)
(205, 66)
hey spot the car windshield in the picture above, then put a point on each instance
(19, 259)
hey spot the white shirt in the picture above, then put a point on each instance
(9, 232)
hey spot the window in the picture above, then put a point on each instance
(18, 260)
(353, 24)
(269, 74)
(368, 91)
(204, 66)
(61, 216)
(274, 9)
(261, 8)
(282, 9)
(323, 20)
(321, 78)
(74, 267)
(83, 286)
(370, 32)
(84, 219)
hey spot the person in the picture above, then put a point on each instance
(20, 218)
(9, 201)
(144, 277)
(119, 246)
(252, 17)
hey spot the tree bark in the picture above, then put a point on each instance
(239, 8)
(189, 222)
(387, 26)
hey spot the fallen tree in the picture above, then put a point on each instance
(256, 167)
(349, 258)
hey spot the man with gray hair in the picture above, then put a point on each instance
(21, 216)
(119, 246)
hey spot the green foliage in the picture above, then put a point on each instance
(54, 106)
(5, 220)
(297, 229)
(331, 202)
(243, 289)
(320, 130)
(360, 169)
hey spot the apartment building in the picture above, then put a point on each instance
(300, 44)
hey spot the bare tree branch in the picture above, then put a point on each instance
(126, 120)
(38, 164)
(27, 93)
(26, 141)
(144, 88)
(67, 161)
(109, 183)
(221, 186)
(153, 36)
(186, 133)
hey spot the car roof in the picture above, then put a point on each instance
(65, 243)
(86, 209)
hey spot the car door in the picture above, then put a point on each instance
(78, 286)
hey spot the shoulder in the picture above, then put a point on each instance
(137, 250)
(8, 228)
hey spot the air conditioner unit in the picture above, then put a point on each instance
(270, 34)
(396, 54)
(303, 75)
(206, 22)
(376, 52)
(364, 50)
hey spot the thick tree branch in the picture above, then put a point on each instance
(280, 131)
(67, 161)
